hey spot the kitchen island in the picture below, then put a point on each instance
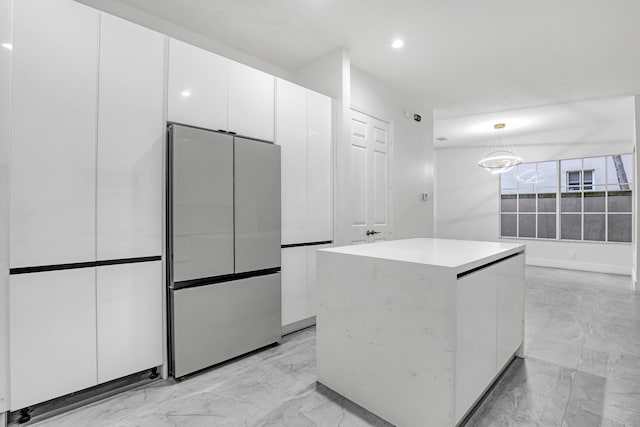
(417, 330)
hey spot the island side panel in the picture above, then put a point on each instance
(386, 336)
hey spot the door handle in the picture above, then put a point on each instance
(371, 232)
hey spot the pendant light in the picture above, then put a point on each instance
(500, 156)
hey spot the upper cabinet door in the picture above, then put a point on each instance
(198, 83)
(53, 141)
(251, 102)
(291, 126)
(320, 171)
(130, 140)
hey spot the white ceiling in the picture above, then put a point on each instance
(461, 57)
(607, 121)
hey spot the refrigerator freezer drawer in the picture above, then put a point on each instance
(257, 205)
(217, 322)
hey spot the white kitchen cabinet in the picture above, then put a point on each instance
(131, 133)
(53, 132)
(294, 284)
(52, 334)
(510, 331)
(304, 129)
(476, 336)
(319, 170)
(299, 283)
(129, 318)
(251, 102)
(198, 87)
(291, 125)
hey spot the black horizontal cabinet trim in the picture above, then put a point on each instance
(473, 270)
(224, 278)
(295, 245)
(54, 267)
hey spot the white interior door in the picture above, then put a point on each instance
(369, 178)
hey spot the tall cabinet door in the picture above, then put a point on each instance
(202, 203)
(510, 308)
(53, 141)
(476, 336)
(129, 314)
(257, 205)
(291, 125)
(130, 140)
(198, 84)
(52, 334)
(320, 172)
(251, 102)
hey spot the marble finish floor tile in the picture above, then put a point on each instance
(581, 369)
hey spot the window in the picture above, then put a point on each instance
(579, 180)
(586, 199)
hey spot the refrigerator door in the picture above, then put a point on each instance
(257, 205)
(214, 323)
(201, 180)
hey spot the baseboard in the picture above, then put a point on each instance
(300, 324)
(582, 266)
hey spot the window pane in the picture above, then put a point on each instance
(620, 171)
(594, 227)
(619, 201)
(508, 180)
(571, 226)
(619, 228)
(527, 177)
(566, 166)
(508, 202)
(594, 168)
(547, 177)
(547, 226)
(571, 202)
(527, 226)
(547, 202)
(594, 201)
(508, 225)
(527, 202)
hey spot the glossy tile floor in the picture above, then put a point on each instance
(581, 369)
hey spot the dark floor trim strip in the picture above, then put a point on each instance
(473, 270)
(296, 245)
(54, 267)
(220, 279)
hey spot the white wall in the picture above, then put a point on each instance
(5, 109)
(412, 153)
(467, 205)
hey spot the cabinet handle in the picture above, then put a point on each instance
(371, 232)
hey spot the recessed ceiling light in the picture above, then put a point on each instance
(7, 46)
(397, 43)
(185, 93)
(442, 139)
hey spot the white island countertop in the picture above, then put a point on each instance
(461, 255)
(417, 330)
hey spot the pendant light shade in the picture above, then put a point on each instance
(500, 156)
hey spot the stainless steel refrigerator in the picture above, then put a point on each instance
(223, 246)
